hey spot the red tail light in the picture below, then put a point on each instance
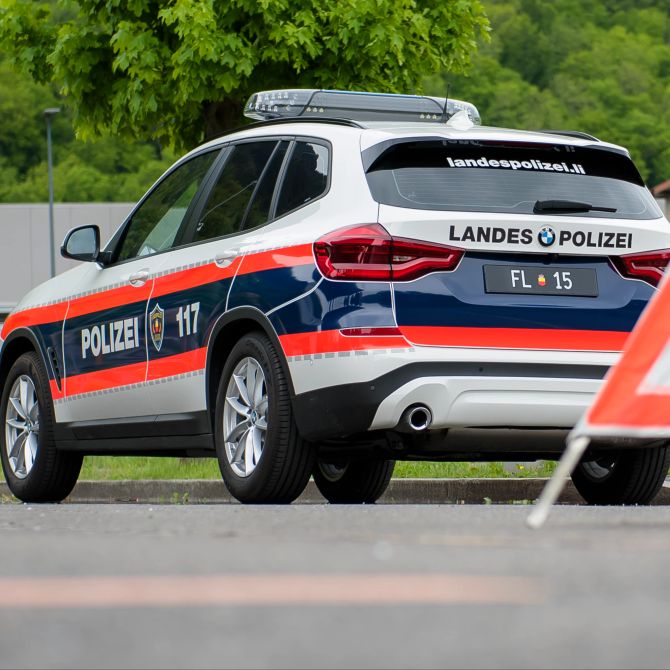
(379, 331)
(369, 253)
(648, 266)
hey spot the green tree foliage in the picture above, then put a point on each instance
(105, 169)
(79, 179)
(180, 71)
(180, 68)
(602, 68)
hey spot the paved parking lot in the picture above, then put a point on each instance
(325, 586)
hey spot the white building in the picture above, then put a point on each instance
(24, 241)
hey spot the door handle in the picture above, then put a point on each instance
(139, 278)
(225, 258)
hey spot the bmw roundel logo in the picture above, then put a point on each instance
(546, 237)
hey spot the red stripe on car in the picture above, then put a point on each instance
(123, 375)
(135, 373)
(56, 393)
(170, 283)
(169, 366)
(516, 338)
(186, 279)
(117, 297)
(34, 316)
(277, 258)
(332, 341)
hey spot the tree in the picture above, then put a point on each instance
(577, 65)
(22, 131)
(104, 169)
(181, 70)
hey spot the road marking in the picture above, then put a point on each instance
(266, 590)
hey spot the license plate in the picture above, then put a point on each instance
(545, 280)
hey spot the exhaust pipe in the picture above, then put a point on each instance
(415, 419)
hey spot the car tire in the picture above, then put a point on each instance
(262, 457)
(354, 482)
(36, 471)
(633, 477)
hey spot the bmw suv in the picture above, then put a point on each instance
(356, 279)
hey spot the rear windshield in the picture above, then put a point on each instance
(509, 178)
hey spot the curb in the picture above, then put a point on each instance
(399, 492)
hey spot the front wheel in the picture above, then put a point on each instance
(353, 482)
(262, 457)
(632, 477)
(35, 470)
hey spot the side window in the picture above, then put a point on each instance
(259, 211)
(227, 204)
(306, 177)
(156, 223)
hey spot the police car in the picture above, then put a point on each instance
(356, 279)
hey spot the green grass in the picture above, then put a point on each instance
(151, 467)
(464, 470)
(124, 467)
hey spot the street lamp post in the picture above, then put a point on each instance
(48, 113)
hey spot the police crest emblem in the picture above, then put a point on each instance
(157, 321)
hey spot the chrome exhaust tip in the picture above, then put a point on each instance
(416, 419)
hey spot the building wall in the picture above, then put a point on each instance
(24, 241)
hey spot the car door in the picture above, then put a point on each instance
(106, 329)
(192, 284)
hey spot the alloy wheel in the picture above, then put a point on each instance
(245, 416)
(22, 427)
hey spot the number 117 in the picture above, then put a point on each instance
(187, 318)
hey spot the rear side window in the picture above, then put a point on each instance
(259, 211)
(229, 199)
(306, 177)
(506, 178)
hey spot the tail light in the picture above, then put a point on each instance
(369, 253)
(378, 331)
(648, 266)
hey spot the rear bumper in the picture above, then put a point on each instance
(458, 394)
(490, 401)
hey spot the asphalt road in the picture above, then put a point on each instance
(316, 586)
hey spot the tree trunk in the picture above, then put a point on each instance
(222, 116)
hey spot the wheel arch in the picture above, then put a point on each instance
(230, 327)
(19, 342)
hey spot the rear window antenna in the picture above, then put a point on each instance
(446, 102)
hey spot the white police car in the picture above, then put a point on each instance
(363, 278)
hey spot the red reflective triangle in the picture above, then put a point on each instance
(635, 399)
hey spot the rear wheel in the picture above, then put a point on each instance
(632, 477)
(353, 482)
(261, 455)
(35, 470)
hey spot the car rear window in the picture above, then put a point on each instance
(505, 177)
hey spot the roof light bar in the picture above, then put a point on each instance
(358, 106)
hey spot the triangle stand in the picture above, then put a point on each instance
(571, 456)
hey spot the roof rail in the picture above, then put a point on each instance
(301, 119)
(571, 133)
(295, 119)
